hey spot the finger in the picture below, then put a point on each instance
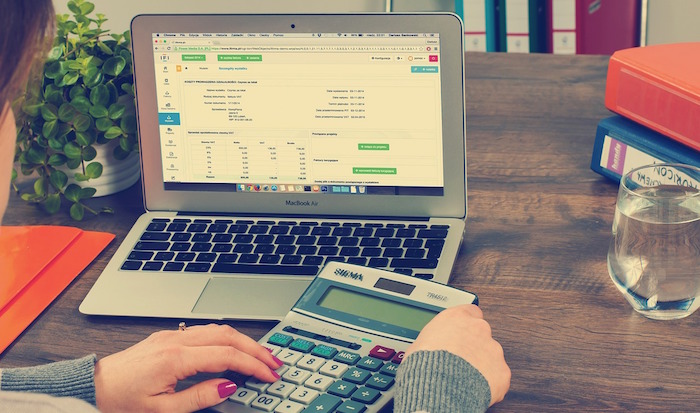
(197, 397)
(223, 335)
(472, 310)
(216, 359)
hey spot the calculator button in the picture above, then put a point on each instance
(303, 395)
(350, 406)
(342, 389)
(243, 396)
(355, 375)
(324, 351)
(389, 369)
(282, 369)
(366, 395)
(398, 358)
(266, 403)
(274, 350)
(302, 345)
(380, 382)
(255, 384)
(382, 353)
(347, 357)
(289, 407)
(324, 403)
(280, 339)
(296, 376)
(318, 382)
(310, 362)
(334, 369)
(281, 389)
(370, 363)
(289, 356)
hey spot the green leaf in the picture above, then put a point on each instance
(72, 151)
(36, 154)
(49, 129)
(56, 145)
(114, 66)
(128, 124)
(67, 112)
(113, 132)
(99, 111)
(52, 203)
(58, 179)
(84, 138)
(116, 110)
(103, 124)
(105, 49)
(34, 198)
(73, 163)
(125, 144)
(128, 88)
(89, 153)
(32, 109)
(82, 123)
(70, 78)
(93, 77)
(40, 187)
(49, 112)
(75, 64)
(93, 170)
(86, 8)
(73, 7)
(82, 104)
(80, 177)
(77, 211)
(72, 193)
(55, 160)
(88, 192)
(75, 91)
(54, 70)
(55, 53)
(100, 95)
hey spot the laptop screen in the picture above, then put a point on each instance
(317, 113)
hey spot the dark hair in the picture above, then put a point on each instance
(26, 31)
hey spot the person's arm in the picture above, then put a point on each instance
(72, 378)
(453, 366)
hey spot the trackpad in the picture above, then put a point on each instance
(249, 298)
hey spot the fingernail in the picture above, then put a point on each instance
(274, 373)
(226, 389)
(278, 361)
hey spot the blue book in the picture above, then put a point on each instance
(622, 145)
(479, 17)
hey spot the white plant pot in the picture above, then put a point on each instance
(117, 175)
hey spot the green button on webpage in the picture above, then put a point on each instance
(374, 171)
(240, 57)
(194, 58)
(373, 146)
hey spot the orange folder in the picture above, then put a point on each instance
(36, 264)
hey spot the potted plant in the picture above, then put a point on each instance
(77, 115)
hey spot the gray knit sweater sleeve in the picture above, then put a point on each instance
(439, 381)
(72, 378)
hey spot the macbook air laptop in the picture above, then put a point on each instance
(273, 144)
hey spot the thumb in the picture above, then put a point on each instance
(197, 397)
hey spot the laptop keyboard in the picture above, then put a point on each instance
(248, 246)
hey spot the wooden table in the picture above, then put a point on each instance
(534, 251)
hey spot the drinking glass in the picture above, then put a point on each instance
(654, 255)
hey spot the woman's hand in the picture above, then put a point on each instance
(143, 377)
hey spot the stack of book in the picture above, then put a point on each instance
(655, 92)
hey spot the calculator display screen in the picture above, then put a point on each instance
(376, 308)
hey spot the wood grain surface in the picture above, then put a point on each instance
(534, 251)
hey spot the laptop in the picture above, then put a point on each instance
(273, 144)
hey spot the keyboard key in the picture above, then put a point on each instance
(293, 260)
(164, 256)
(266, 403)
(180, 246)
(384, 232)
(362, 232)
(342, 231)
(306, 240)
(288, 406)
(370, 363)
(350, 406)
(280, 229)
(281, 389)
(257, 385)
(197, 228)
(238, 229)
(243, 248)
(303, 395)
(307, 250)
(217, 228)
(140, 255)
(389, 369)
(398, 358)
(202, 237)
(347, 357)
(296, 375)
(424, 276)
(222, 238)
(414, 253)
(371, 252)
(432, 233)
(327, 241)
(156, 226)
(265, 269)
(227, 258)
(342, 389)
(155, 236)
(357, 261)
(152, 266)
(264, 239)
(313, 260)
(324, 403)
(264, 249)
(380, 382)
(198, 267)
(348, 242)
(174, 266)
(404, 271)
(301, 345)
(248, 258)
(300, 230)
(152, 246)
(392, 252)
(280, 339)
(357, 376)
(350, 251)
(243, 396)
(378, 262)
(321, 231)
(328, 251)
(311, 363)
(221, 247)
(391, 242)
(285, 239)
(243, 239)
(382, 353)
(206, 257)
(365, 395)
(181, 236)
(318, 382)
(201, 246)
(412, 243)
(258, 229)
(334, 369)
(324, 351)
(176, 227)
(414, 263)
(270, 259)
(396, 225)
(370, 242)
(290, 357)
(131, 265)
(185, 256)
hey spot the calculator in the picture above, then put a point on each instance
(343, 342)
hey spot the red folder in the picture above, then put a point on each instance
(592, 26)
(36, 264)
(659, 87)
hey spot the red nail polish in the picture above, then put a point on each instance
(226, 389)
(274, 373)
(278, 361)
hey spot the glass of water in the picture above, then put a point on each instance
(654, 255)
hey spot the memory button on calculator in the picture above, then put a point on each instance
(370, 363)
(324, 351)
(280, 339)
(347, 357)
(389, 369)
(301, 345)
